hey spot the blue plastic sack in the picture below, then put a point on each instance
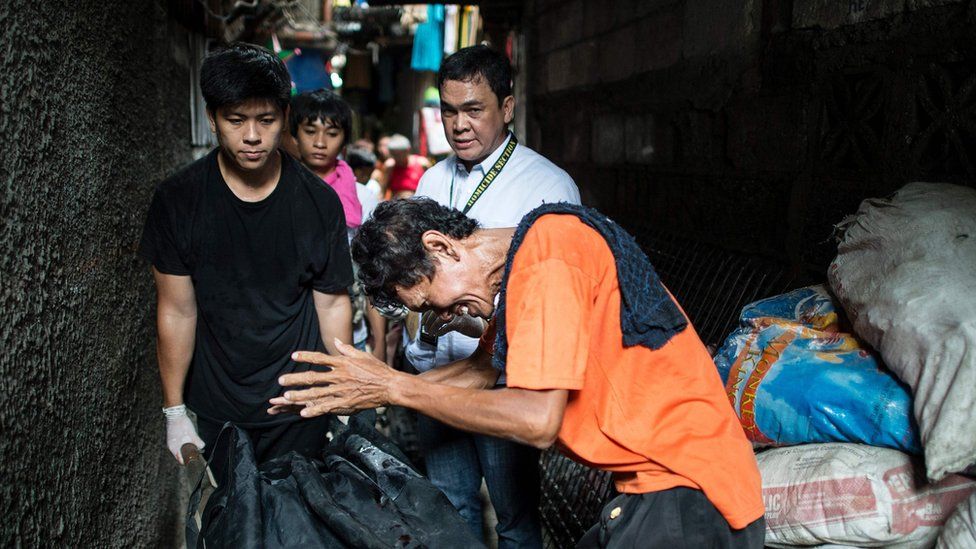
(795, 374)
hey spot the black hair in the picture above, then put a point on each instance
(389, 250)
(358, 157)
(480, 61)
(240, 72)
(323, 106)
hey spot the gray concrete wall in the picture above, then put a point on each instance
(752, 124)
(93, 112)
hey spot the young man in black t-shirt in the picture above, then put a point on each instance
(251, 263)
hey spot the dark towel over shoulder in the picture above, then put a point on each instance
(648, 315)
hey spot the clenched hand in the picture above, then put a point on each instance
(470, 326)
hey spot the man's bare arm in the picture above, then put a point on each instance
(356, 380)
(176, 322)
(335, 318)
(377, 329)
(474, 372)
(529, 417)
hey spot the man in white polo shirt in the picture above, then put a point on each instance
(495, 180)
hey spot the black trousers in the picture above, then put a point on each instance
(305, 436)
(669, 519)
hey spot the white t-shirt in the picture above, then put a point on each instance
(367, 198)
(374, 186)
(527, 181)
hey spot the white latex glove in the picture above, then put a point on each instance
(179, 431)
(468, 325)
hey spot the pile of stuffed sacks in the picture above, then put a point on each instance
(860, 396)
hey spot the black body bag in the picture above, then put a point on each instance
(361, 494)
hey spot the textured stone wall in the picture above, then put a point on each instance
(752, 124)
(93, 112)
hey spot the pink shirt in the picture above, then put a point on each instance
(343, 181)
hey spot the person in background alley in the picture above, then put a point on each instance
(373, 328)
(600, 361)
(357, 157)
(477, 106)
(251, 261)
(382, 152)
(403, 169)
(321, 123)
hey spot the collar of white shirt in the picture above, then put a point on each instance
(489, 161)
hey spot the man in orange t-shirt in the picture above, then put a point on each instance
(655, 415)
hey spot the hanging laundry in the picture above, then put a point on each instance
(428, 43)
(470, 26)
(308, 71)
(451, 22)
(463, 28)
(433, 141)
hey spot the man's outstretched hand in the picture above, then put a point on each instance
(356, 381)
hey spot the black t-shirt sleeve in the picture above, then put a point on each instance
(335, 272)
(159, 243)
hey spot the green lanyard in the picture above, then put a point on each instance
(489, 177)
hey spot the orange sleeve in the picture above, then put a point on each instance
(548, 306)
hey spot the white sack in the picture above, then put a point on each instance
(852, 494)
(906, 274)
(960, 529)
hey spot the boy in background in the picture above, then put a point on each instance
(321, 123)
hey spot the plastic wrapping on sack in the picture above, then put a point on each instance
(960, 530)
(794, 376)
(852, 494)
(363, 495)
(906, 274)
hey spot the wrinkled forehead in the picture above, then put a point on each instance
(414, 297)
(476, 87)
